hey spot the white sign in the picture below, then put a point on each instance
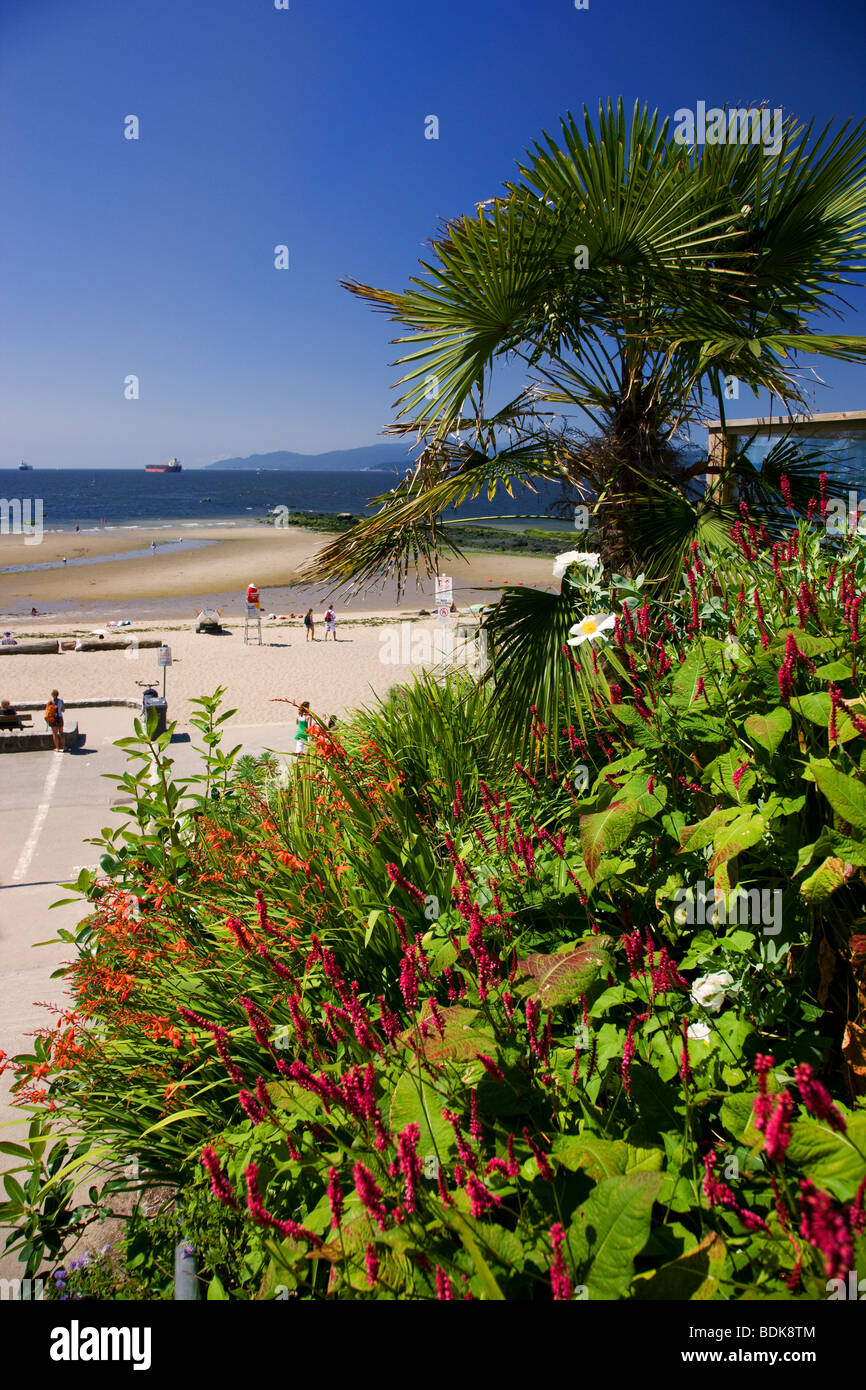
(163, 656)
(444, 596)
(443, 614)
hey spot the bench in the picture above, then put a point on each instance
(14, 721)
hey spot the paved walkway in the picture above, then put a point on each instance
(50, 805)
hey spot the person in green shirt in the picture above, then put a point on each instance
(302, 731)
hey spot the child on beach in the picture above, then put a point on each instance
(330, 623)
(302, 731)
(310, 625)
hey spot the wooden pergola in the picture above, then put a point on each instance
(843, 424)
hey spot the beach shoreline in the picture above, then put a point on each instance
(174, 583)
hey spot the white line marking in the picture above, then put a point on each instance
(41, 812)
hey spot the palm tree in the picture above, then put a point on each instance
(632, 276)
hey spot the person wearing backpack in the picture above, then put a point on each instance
(54, 720)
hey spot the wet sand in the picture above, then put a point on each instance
(174, 582)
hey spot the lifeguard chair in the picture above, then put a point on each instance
(253, 625)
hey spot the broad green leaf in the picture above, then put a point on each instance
(845, 794)
(807, 642)
(835, 671)
(693, 1276)
(605, 1158)
(464, 1034)
(721, 773)
(684, 685)
(562, 977)
(611, 1228)
(416, 1102)
(732, 839)
(606, 830)
(483, 1270)
(704, 832)
(829, 1159)
(768, 730)
(821, 884)
(818, 707)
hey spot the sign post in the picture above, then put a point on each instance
(444, 591)
(163, 659)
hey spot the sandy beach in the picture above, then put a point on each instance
(379, 644)
(333, 676)
(106, 576)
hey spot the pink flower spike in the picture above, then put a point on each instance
(560, 1280)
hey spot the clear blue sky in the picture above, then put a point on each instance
(306, 127)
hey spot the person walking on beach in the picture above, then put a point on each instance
(54, 720)
(330, 623)
(310, 625)
(302, 731)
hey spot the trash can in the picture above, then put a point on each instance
(151, 699)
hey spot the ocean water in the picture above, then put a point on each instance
(127, 498)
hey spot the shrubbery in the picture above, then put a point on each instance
(410, 1022)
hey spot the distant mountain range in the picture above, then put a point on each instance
(391, 456)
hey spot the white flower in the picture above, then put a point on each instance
(574, 557)
(698, 1032)
(590, 627)
(710, 991)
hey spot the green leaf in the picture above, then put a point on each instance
(768, 730)
(845, 794)
(821, 884)
(611, 1228)
(416, 1102)
(605, 830)
(482, 1268)
(818, 707)
(829, 1159)
(464, 1034)
(741, 834)
(215, 1290)
(564, 976)
(684, 685)
(694, 1275)
(173, 1119)
(605, 1158)
(721, 774)
(703, 832)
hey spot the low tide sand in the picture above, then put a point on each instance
(176, 581)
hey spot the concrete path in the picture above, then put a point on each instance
(50, 805)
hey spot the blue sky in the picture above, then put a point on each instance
(305, 127)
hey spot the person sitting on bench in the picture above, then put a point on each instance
(9, 716)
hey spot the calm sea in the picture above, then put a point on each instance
(127, 498)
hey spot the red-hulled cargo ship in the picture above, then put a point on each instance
(171, 467)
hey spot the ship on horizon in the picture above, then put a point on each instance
(173, 466)
(25, 467)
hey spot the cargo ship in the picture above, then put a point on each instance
(171, 467)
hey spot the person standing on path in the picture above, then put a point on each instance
(310, 625)
(302, 731)
(54, 720)
(330, 623)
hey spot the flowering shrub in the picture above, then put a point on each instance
(419, 1025)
